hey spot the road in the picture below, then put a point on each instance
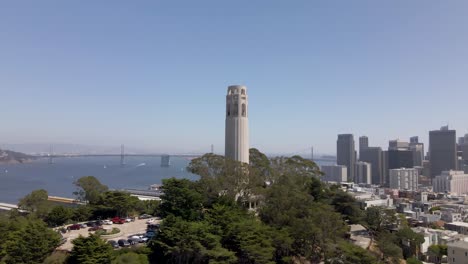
(127, 229)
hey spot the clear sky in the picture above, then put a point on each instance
(154, 74)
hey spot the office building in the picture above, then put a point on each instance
(442, 150)
(334, 173)
(346, 154)
(384, 168)
(418, 151)
(463, 147)
(400, 159)
(454, 182)
(457, 252)
(398, 145)
(363, 144)
(404, 179)
(373, 155)
(237, 124)
(362, 172)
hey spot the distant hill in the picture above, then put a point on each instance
(7, 156)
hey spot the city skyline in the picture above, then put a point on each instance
(153, 75)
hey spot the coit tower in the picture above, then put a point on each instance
(237, 124)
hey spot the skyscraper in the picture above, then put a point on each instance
(362, 172)
(363, 144)
(237, 124)
(418, 151)
(442, 150)
(373, 155)
(346, 154)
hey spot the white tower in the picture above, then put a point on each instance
(237, 124)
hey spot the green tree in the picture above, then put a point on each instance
(27, 240)
(82, 213)
(413, 261)
(56, 258)
(58, 216)
(90, 250)
(220, 176)
(437, 251)
(347, 253)
(347, 206)
(411, 241)
(36, 202)
(180, 241)
(131, 258)
(388, 245)
(378, 218)
(89, 189)
(121, 202)
(181, 199)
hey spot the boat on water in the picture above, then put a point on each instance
(141, 164)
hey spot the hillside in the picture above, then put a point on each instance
(7, 156)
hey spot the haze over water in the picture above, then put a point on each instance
(17, 180)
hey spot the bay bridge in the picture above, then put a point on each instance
(165, 158)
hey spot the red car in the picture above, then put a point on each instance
(95, 228)
(74, 227)
(118, 220)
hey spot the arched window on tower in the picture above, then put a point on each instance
(243, 91)
(228, 109)
(244, 110)
(236, 109)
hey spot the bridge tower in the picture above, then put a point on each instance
(51, 154)
(212, 148)
(122, 155)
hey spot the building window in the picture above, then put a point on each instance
(236, 109)
(244, 111)
(228, 109)
(242, 91)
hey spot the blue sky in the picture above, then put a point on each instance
(153, 74)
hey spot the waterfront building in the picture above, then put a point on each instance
(457, 252)
(346, 154)
(454, 182)
(373, 155)
(362, 172)
(404, 179)
(237, 124)
(442, 150)
(334, 173)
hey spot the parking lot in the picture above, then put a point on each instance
(127, 229)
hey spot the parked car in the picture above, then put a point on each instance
(138, 238)
(123, 243)
(145, 216)
(107, 222)
(95, 228)
(74, 227)
(150, 234)
(83, 225)
(153, 226)
(133, 241)
(113, 243)
(150, 221)
(118, 220)
(129, 219)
